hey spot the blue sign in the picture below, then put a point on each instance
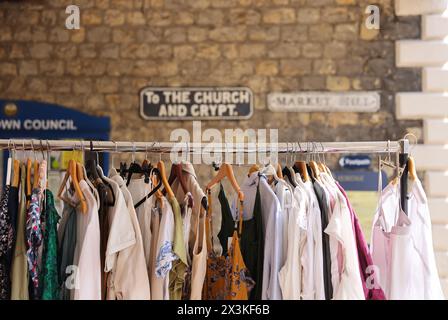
(21, 119)
(38, 120)
(359, 180)
(355, 162)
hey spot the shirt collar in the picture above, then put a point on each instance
(252, 179)
(188, 168)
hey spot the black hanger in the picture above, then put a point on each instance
(103, 179)
(287, 173)
(296, 169)
(134, 167)
(123, 169)
(310, 172)
(154, 190)
(92, 174)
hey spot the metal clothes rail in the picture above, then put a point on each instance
(400, 147)
(372, 147)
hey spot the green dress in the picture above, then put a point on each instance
(50, 285)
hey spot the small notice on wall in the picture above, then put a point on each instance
(324, 102)
(196, 103)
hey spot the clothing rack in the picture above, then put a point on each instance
(400, 147)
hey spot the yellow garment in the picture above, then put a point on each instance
(19, 269)
(177, 272)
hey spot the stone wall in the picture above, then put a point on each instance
(267, 45)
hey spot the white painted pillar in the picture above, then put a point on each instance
(431, 105)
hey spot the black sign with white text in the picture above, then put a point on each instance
(196, 103)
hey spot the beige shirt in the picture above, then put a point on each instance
(87, 251)
(138, 189)
(125, 259)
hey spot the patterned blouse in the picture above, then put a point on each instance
(34, 240)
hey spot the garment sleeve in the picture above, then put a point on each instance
(121, 232)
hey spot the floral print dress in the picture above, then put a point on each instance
(34, 241)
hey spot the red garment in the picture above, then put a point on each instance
(364, 257)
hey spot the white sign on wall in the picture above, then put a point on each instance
(325, 101)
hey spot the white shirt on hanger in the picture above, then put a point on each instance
(164, 255)
(349, 286)
(314, 239)
(138, 190)
(335, 246)
(87, 250)
(402, 247)
(124, 284)
(290, 275)
(418, 212)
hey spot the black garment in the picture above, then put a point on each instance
(6, 239)
(13, 211)
(104, 230)
(252, 247)
(322, 199)
(251, 243)
(66, 251)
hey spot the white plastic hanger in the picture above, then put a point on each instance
(9, 165)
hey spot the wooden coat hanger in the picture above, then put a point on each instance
(36, 176)
(80, 172)
(279, 171)
(226, 171)
(72, 174)
(300, 167)
(254, 168)
(166, 185)
(28, 178)
(411, 169)
(159, 195)
(16, 174)
(176, 173)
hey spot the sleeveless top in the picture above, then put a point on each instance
(252, 240)
(227, 276)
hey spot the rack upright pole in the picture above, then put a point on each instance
(403, 160)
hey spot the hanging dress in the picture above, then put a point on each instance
(252, 240)
(34, 238)
(227, 276)
(239, 282)
(66, 251)
(19, 269)
(215, 276)
(50, 288)
(6, 241)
